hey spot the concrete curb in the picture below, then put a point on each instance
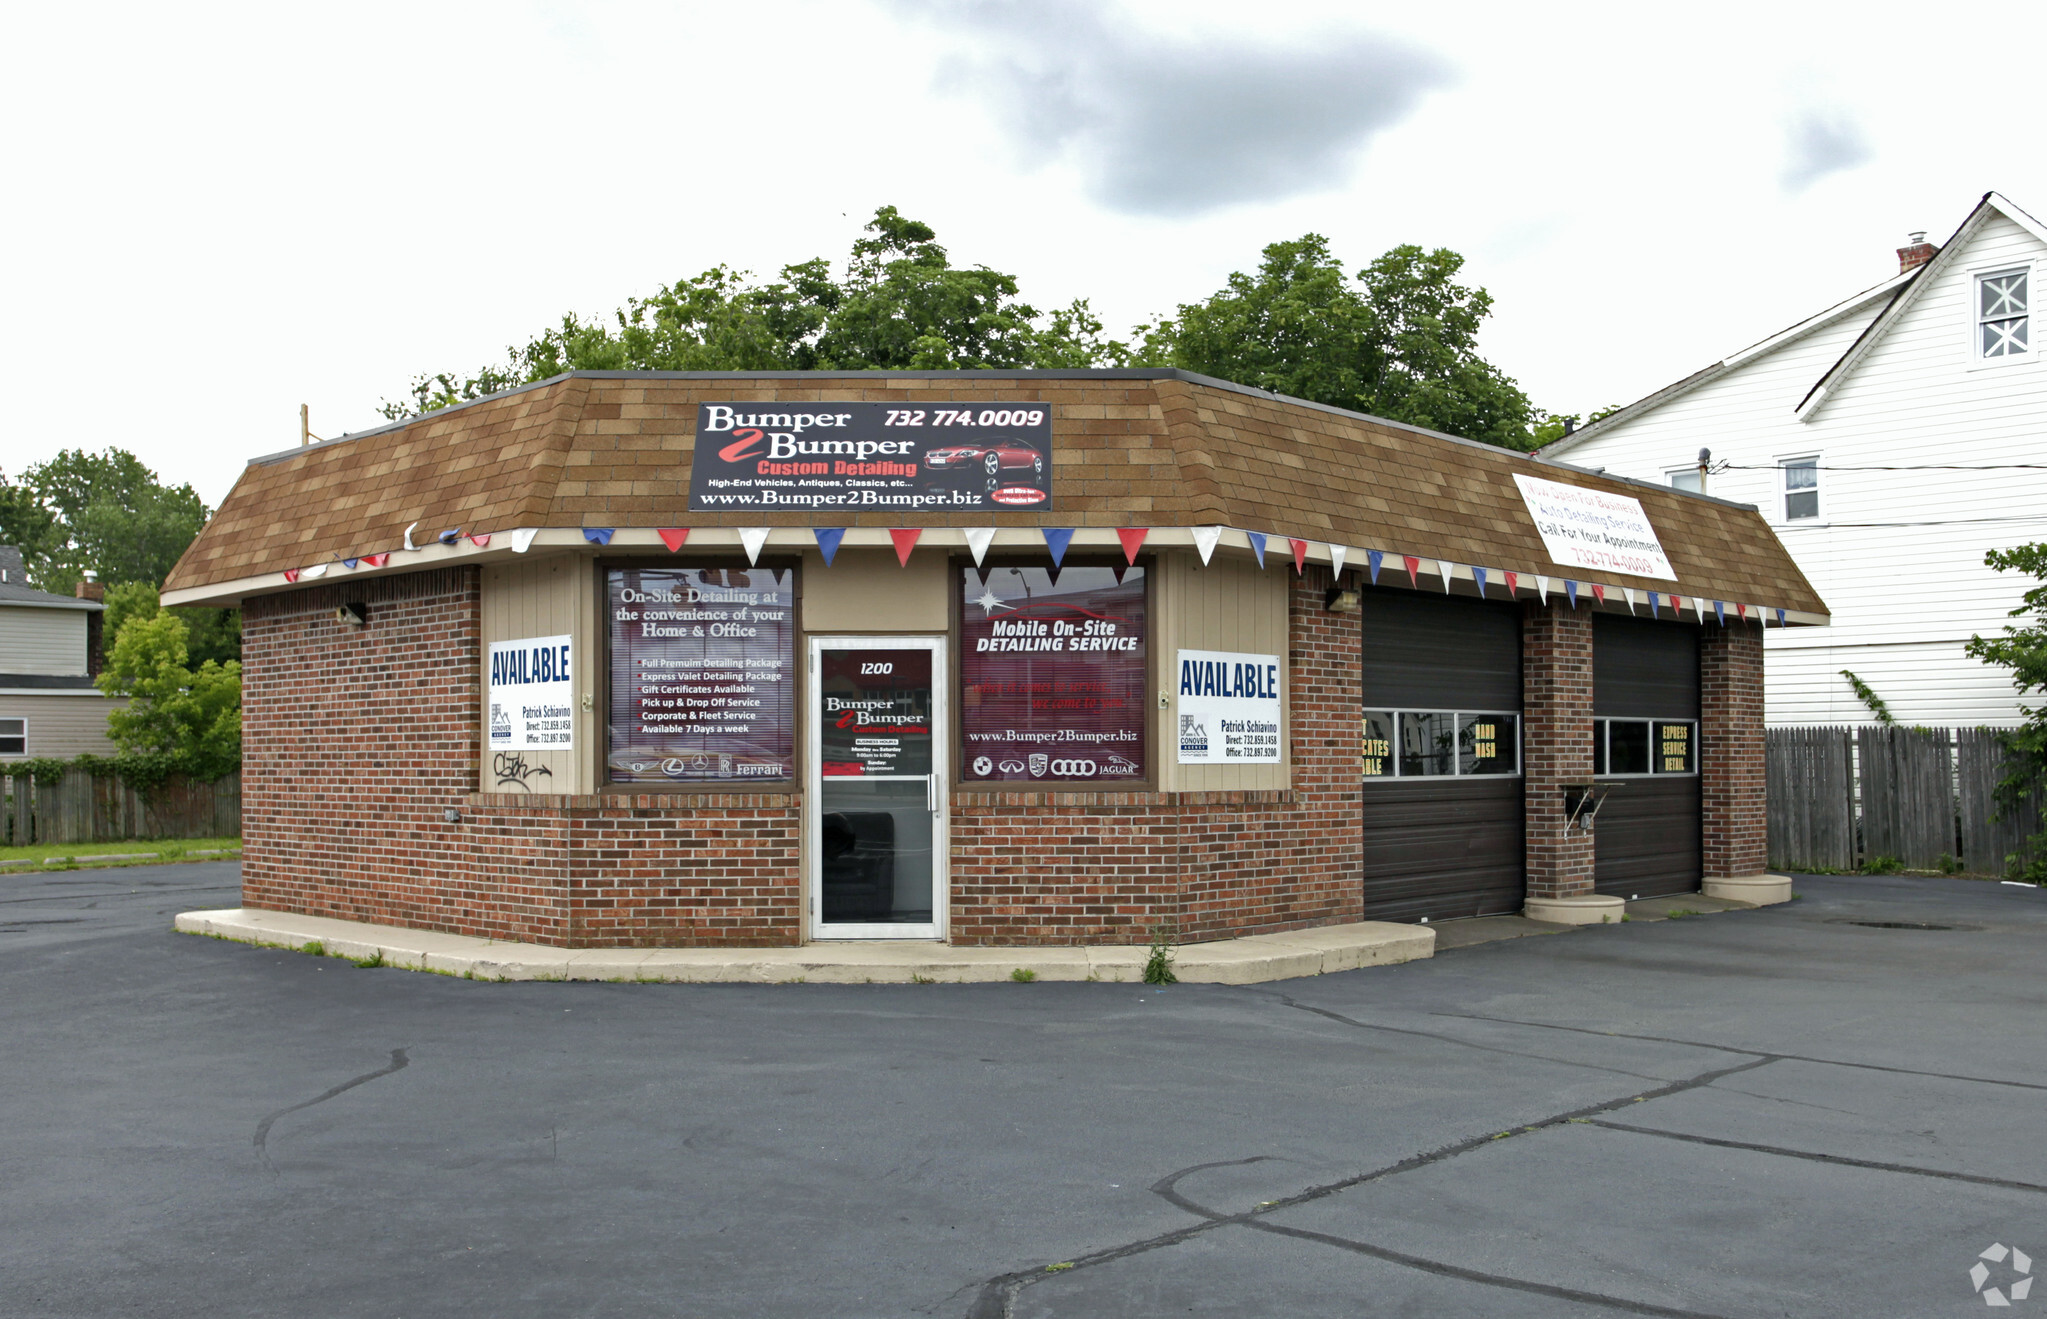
(1245, 961)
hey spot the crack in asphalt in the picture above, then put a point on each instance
(152, 892)
(1839, 1160)
(398, 1063)
(997, 1296)
(1755, 1053)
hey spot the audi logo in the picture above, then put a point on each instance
(1074, 769)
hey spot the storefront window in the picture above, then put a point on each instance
(1644, 746)
(1052, 674)
(1432, 743)
(703, 675)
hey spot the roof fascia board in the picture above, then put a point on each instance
(1902, 301)
(52, 602)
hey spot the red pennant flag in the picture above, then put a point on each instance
(480, 541)
(672, 537)
(1513, 582)
(291, 574)
(1133, 541)
(1741, 611)
(377, 560)
(906, 540)
(1300, 549)
(1599, 593)
(1413, 566)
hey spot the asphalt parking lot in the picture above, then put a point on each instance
(1787, 1112)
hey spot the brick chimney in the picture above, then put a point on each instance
(1916, 253)
(88, 589)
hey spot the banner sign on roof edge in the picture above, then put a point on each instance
(806, 457)
(1584, 528)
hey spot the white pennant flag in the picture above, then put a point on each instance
(1443, 566)
(978, 540)
(1699, 606)
(1542, 587)
(408, 538)
(1205, 539)
(317, 570)
(753, 538)
(522, 539)
(1336, 553)
(1629, 591)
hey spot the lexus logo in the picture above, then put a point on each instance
(1074, 769)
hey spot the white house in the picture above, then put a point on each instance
(48, 704)
(1891, 440)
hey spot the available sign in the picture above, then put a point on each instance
(782, 457)
(1229, 708)
(1583, 528)
(532, 706)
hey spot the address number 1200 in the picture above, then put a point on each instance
(950, 417)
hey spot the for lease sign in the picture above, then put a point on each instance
(531, 703)
(1594, 529)
(1229, 708)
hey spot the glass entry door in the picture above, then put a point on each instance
(877, 789)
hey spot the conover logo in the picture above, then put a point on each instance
(1079, 769)
(735, 452)
(1019, 494)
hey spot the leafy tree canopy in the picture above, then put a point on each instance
(210, 634)
(1397, 340)
(2023, 650)
(101, 511)
(190, 718)
(899, 304)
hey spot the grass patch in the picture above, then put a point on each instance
(313, 948)
(1023, 975)
(1679, 913)
(1881, 865)
(370, 963)
(135, 851)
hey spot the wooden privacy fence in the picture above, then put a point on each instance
(87, 808)
(1840, 797)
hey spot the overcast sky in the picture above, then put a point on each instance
(216, 214)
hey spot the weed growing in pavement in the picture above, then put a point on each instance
(1057, 1268)
(1679, 913)
(313, 948)
(1882, 865)
(1947, 865)
(916, 979)
(1158, 967)
(370, 963)
(1023, 975)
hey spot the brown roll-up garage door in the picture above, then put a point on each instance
(1441, 757)
(1645, 706)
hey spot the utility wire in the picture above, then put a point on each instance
(1938, 522)
(1917, 467)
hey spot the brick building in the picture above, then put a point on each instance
(985, 657)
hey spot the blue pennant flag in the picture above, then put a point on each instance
(1375, 556)
(1571, 589)
(449, 537)
(1478, 575)
(597, 535)
(1257, 545)
(828, 539)
(1721, 610)
(1056, 540)
(1780, 618)
(350, 563)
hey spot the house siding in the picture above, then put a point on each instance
(42, 640)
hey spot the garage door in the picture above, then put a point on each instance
(1645, 727)
(1441, 757)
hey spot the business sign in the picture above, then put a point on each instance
(703, 681)
(1583, 528)
(874, 713)
(1052, 674)
(1229, 708)
(887, 457)
(532, 697)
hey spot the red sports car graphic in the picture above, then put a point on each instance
(992, 460)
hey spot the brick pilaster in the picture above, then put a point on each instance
(1556, 710)
(1731, 780)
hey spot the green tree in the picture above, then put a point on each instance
(106, 512)
(1399, 340)
(2023, 650)
(211, 634)
(190, 719)
(900, 305)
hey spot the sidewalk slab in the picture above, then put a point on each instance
(1246, 961)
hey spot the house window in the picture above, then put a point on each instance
(1685, 478)
(13, 737)
(1801, 488)
(2003, 314)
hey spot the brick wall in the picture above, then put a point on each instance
(1731, 751)
(1556, 709)
(1105, 867)
(357, 739)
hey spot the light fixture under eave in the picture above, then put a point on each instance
(353, 614)
(1342, 600)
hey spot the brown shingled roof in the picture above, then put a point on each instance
(1130, 448)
